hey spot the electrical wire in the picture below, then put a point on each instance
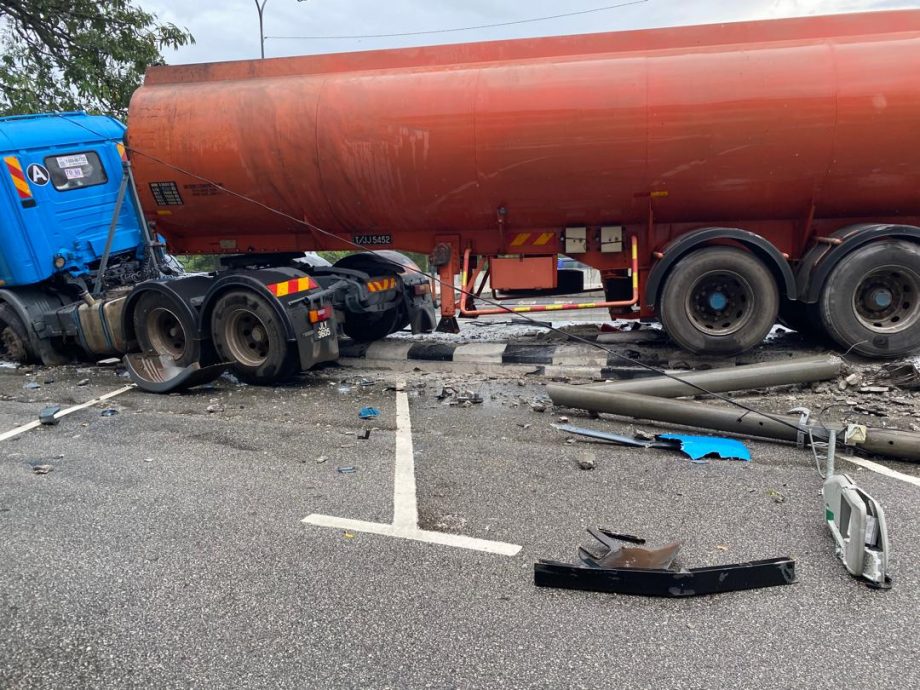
(444, 285)
(463, 28)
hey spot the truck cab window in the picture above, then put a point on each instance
(75, 171)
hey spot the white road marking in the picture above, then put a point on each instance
(405, 501)
(881, 469)
(63, 413)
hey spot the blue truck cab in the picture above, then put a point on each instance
(65, 198)
(61, 175)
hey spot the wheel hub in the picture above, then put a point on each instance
(720, 303)
(887, 300)
(166, 334)
(247, 338)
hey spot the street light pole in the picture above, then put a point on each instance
(261, 8)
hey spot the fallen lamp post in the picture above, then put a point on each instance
(801, 370)
(904, 445)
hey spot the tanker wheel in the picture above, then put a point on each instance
(719, 300)
(247, 331)
(870, 303)
(14, 339)
(368, 327)
(163, 327)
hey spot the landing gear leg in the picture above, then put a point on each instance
(448, 323)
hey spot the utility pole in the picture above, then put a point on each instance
(261, 8)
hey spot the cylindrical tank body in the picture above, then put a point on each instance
(748, 121)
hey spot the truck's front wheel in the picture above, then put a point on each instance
(247, 332)
(14, 340)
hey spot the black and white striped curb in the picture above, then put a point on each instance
(552, 358)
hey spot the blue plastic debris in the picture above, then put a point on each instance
(369, 413)
(699, 447)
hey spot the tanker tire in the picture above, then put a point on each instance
(719, 301)
(852, 304)
(247, 332)
(163, 328)
(368, 327)
(14, 340)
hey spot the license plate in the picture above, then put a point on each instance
(323, 331)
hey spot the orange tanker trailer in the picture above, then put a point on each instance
(716, 175)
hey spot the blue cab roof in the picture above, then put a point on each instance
(24, 132)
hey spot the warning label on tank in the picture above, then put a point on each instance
(372, 240)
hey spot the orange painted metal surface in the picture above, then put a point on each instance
(785, 128)
(523, 272)
(468, 281)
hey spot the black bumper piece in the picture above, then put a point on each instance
(666, 583)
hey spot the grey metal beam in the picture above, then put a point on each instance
(897, 444)
(801, 370)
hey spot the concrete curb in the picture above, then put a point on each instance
(539, 359)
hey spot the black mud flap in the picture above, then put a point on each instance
(159, 373)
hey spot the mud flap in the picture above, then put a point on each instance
(159, 373)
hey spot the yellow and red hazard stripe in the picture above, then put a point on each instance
(532, 239)
(292, 287)
(381, 284)
(14, 168)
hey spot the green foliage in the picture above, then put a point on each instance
(200, 263)
(77, 54)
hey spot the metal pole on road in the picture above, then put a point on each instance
(904, 445)
(802, 370)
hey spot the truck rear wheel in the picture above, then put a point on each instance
(247, 332)
(719, 300)
(162, 328)
(14, 339)
(870, 303)
(368, 327)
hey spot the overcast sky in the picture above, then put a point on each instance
(228, 29)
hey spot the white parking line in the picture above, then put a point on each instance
(405, 501)
(63, 413)
(881, 469)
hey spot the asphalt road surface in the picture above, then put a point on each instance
(166, 547)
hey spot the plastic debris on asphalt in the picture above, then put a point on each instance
(369, 413)
(700, 447)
